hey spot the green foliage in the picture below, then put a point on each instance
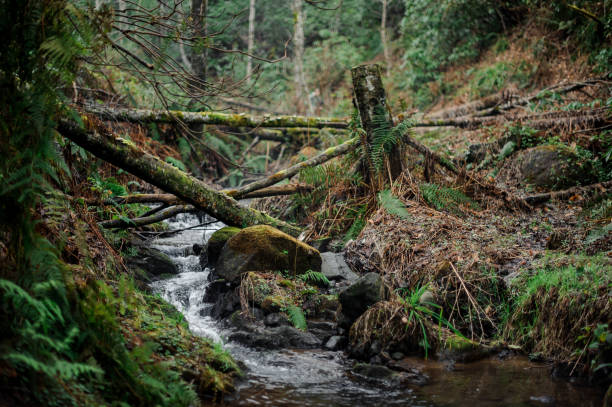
(392, 204)
(176, 163)
(444, 198)
(358, 224)
(421, 313)
(297, 318)
(315, 277)
(385, 137)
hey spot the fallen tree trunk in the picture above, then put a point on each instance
(169, 199)
(471, 107)
(545, 121)
(214, 118)
(559, 89)
(127, 156)
(147, 220)
(567, 193)
(326, 155)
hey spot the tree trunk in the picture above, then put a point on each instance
(371, 102)
(301, 90)
(383, 38)
(251, 39)
(127, 156)
(223, 119)
(198, 56)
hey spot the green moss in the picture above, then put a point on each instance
(217, 241)
(273, 303)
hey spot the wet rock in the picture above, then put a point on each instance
(363, 293)
(276, 319)
(460, 349)
(554, 167)
(225, 305)
(262, 248)
(276, 338)
(215, 244)
(397, 355)
(322, 329)
(411, 373)
(382, 375)
(335, 342)
(322, 306)
(150, 264)
(335, 268)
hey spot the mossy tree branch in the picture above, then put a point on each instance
(129, 157)
(214, 118)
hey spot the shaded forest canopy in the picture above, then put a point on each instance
(476, 95)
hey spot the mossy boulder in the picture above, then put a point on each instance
(554, 166)
(151, 264)
(216, 242)
(359, 296)
(462, 349)
(261, 248)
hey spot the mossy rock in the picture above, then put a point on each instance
(461, 349)
(554, 166)
(261, 248)
(151, 264)
(273, 303)
(216, 242)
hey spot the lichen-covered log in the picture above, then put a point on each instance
(371, 102)
(326, 155)
(129, 157)
(147, 220)
(223, 119)
(567, 193)
(472, 107)
(572, 119)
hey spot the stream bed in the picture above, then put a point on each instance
(323, 378)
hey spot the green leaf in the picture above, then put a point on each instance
(392, 204)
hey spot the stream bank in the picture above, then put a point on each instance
(320, 377)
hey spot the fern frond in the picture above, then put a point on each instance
(392, 204)
(315, 277)
(297, 318)
(443, 198)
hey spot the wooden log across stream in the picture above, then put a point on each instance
(127, 156)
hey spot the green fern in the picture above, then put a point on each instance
(297, 318)
(385, 137)
(315, 277)
(392, 204)
(443, 198)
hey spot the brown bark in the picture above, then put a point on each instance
(127, 156)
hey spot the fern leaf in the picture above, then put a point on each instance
(315, 277)
(297, 318)
(392, 204)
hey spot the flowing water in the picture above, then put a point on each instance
(323, 378)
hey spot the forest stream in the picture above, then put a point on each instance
(324, 378)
